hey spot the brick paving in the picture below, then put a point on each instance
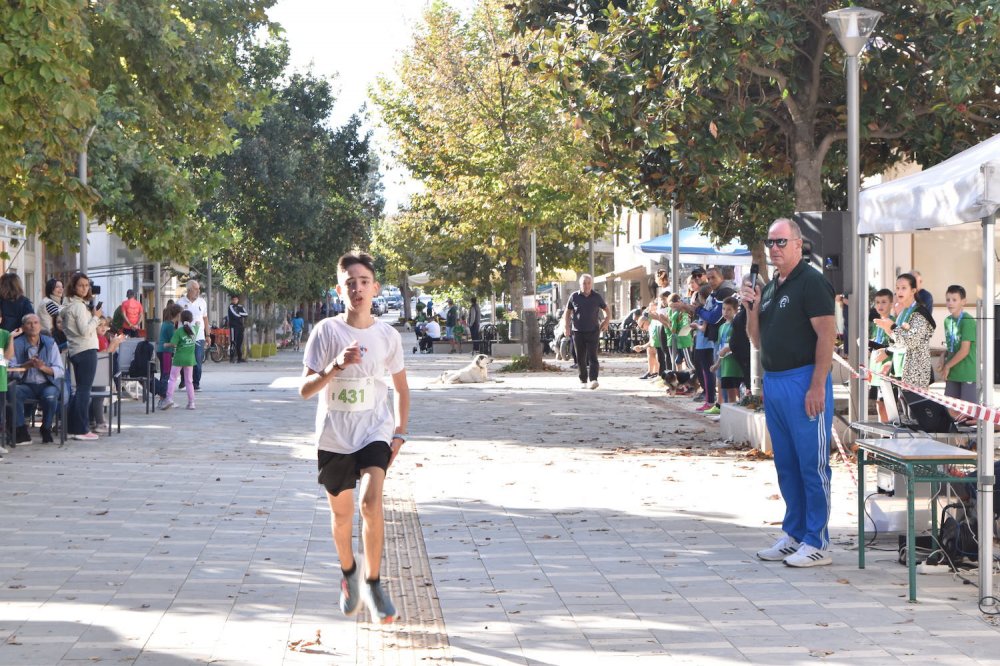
(529, 522)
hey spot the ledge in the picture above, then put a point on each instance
(743, 425)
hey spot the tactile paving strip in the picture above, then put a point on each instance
(418, 634)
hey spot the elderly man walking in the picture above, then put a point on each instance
(193, 302)
(794, 328)
(583, 314)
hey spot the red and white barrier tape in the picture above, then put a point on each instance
(970, 409)
(844, 457)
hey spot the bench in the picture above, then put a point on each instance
(920, 460)
(444, 346)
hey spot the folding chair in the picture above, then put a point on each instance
(126, 353)
(108, 379)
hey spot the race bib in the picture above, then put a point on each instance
(352, 395)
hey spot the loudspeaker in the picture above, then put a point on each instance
(827, 240)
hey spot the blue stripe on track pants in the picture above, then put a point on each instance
(801, 453)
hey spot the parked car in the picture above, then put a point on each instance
(394, 301)
(379, 306)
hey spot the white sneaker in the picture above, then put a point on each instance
(593, 384)
(809, 556)
(781, 549)
(87, 437)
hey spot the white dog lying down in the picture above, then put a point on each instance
(474, 373)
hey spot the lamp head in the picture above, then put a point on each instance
(853, 26)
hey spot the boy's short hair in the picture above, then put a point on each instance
(351, 258)
(674, 298)
(731, 302)
(884, 292)
(956, 289)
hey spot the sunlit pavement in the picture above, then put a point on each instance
(558, 525)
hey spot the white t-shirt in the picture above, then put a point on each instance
(433, 329)
(199, 310)
(381, 354)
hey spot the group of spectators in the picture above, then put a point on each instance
(67, 333)
(900, 330)
(697, 341)
(455, 326)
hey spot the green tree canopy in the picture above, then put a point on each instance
(700, 98)
(158, 84)
(295, 194)
(497, 157)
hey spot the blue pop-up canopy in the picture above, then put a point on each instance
(695, 247)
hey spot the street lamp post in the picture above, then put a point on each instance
(853, 26)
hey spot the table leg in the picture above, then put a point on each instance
(861, 508)
(935, 487)
(911, 537)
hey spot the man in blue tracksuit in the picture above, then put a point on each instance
(794, 327)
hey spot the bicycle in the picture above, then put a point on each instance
(218, 342)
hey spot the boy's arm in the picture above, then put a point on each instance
(316, 380)
(401, 405)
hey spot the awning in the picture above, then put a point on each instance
(964, 188)
(697, 248)
(634, 273)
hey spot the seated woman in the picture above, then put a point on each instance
(432, 332)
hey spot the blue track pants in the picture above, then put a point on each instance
(801, 453)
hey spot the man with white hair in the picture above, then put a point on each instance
(583, 313)
(196, 305)
(791, 321)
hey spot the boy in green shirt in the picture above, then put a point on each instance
(726, 364)
(959, 366)
(457, 335)
(681, 340)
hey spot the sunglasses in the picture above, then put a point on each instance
(780, 242)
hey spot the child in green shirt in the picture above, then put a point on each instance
(458, 333)
(958, 368)
(183, 344)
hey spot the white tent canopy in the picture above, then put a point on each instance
(965, 188)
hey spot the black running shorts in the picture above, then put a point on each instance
(341, 471)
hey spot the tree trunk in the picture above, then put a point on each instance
(404, 289)
(532, 335)
(808, 169)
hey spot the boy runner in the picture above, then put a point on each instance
(358, 432)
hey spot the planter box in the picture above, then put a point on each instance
(743, 425)
(507, 350)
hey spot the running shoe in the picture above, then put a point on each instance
(87, 437)
(715, 410)
(781, 549)
(648, 375)
(593, 384)
(166, 404)
(809, 556)
(704, 407)
(190, 405)
(350, 592)
(378, 602)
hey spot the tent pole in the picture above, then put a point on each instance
(986, 431)
(675, 249)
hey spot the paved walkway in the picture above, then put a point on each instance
(529, 522)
